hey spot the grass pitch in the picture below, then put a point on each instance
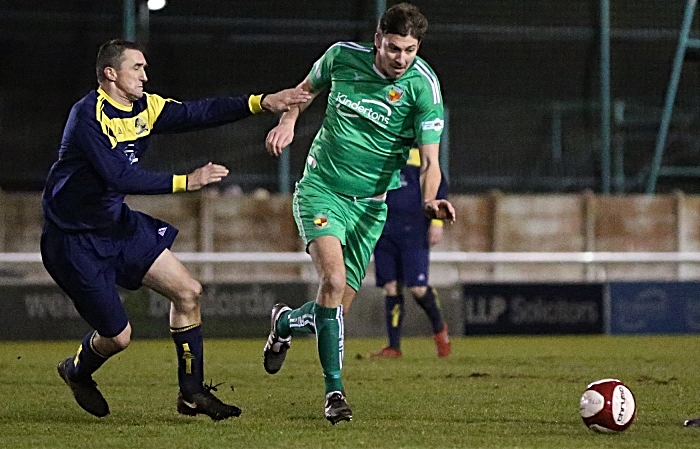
(493, 392)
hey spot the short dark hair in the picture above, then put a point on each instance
(403, 19)
(111, 54)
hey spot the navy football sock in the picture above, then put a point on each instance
(393, 308)
(190, 357)
(87, 360)
(431, 305)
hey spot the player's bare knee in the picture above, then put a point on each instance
(121, 341)
(189, 297)
(391, 288)
(333, 283)
(108, 346)
(419, 292)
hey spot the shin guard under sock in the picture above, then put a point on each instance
(297, 322)
(189, 346)
(393, 309)
(430, 304)
(330, 332)
(87, 360)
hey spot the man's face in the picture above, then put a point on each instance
(131, 75)
(395, 53)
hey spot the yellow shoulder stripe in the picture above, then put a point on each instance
(128, 129)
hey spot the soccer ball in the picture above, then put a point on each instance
(608, 406)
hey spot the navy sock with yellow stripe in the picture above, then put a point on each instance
(189, 345)
(87, 360)
(393, 308)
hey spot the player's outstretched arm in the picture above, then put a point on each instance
(282, 135)
(430, 182)
(204, 175)
(281, 101)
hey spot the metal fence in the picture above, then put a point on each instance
(525, 83)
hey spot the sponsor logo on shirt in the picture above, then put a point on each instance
(131, 154)
(161, 231)
(374, 110)
(433, 125)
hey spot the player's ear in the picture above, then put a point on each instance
(377, 40)
(110, 73)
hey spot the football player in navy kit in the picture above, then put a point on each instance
(92, 242)
(402, 258)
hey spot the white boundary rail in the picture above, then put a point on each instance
(448, 257)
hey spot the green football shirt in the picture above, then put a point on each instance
(371, 122)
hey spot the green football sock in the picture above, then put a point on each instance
(298, 321)
(330, 333)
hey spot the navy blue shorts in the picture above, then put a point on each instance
(89, 266)
(402, 257)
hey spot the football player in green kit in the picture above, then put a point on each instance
(382, 99)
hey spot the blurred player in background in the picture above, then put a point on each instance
(382, 99)
(402, 259)
(92, 242)
(695, 422)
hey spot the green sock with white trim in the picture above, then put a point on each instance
(330, 336)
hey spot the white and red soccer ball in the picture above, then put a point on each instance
(608, 406)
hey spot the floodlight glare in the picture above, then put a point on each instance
(155, 5)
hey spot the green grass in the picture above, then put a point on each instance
(493, 392)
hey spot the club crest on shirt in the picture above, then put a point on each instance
(140, 125)
(321, 220)
(395, 94)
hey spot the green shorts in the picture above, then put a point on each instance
(356, 222)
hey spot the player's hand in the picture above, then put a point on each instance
(440, 209)
(282, 100)
(434, 234)
(279, 138)
(204, 175)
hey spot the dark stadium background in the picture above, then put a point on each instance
(505, 67)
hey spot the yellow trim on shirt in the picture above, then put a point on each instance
(128, 129)
(179, 183)
(114, 102)
(254, 104)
